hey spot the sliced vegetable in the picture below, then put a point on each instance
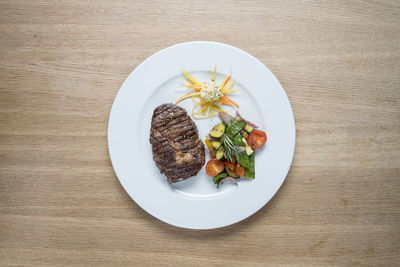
(220, 153)
(246, 121)
(218, 130)
(214, 167)
(226, 179)
(250, 171)
(225, 98)
(215, 144)
(225, 117)
(234, 127)
(248, 128)
(245, 134)
(239, 169)
(247, 148)
(244, 141)
(226, 102)
(219, 177)
(256, 139)
(208, 143)
(238, 118)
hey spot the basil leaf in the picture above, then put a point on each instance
(244, 160)
(250, 171)
(219, 177)
(237, 140)
(234, 127)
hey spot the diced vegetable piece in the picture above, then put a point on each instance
(218, 130)
(214, 167)
(215, 144)
(220, 153)
(248, 150)
(250, 171)
(219, 177)
(248, 128)
(238, 118)
(245, 134)
(244, 141)
(256, 139)
(231, 172)
(234, 127)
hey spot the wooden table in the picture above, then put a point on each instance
(62, 63)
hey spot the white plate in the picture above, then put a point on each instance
(196, 203)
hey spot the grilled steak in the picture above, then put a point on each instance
(177, 149)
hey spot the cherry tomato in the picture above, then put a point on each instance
(230, 165)
(239, 169)
(256, 139)
(214, 167)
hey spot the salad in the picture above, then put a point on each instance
(232, 145)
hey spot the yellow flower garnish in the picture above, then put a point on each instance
(211, 95)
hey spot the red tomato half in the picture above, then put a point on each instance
(256, 139)
(239, 169)
(214, 167)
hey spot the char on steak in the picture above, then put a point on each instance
(177, 149)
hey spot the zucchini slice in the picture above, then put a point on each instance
(215, 144)
(248, 128)
(220, 153)
(218, 130)
(231, 173)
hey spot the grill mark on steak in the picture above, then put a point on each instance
(177, 150)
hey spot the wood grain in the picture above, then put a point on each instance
(62, 63)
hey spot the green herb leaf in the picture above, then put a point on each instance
(230, 148)
(219, 177)
(244, 159)
(234, 127)
(237, 140)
